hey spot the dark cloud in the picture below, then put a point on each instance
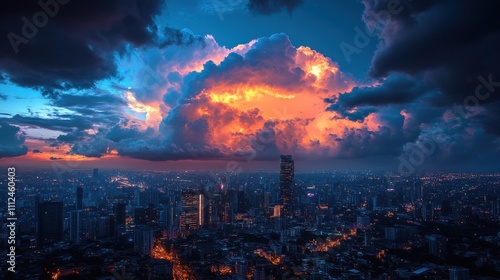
(432, 59)
(78, 43)
(176, 37)
(396, 89)
(451, 43)
(56, 158)
(12, 141)
(36, 151)
(267, 7)
(3, 96)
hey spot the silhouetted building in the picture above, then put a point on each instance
(79, 198)
(148, 197)
(143, 240)
(287, 195)
(75, 226)
(363, 222)
(459, 273)
(120, 213)
(119, 219)
(437, 245)
(49, 223)
(95, 173)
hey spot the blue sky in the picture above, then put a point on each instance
(405, 84)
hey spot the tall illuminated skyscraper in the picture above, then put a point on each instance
(287, 193)
(193, 211)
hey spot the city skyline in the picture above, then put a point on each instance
(90, 224)
(364, 85)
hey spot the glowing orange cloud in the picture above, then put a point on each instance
(238, 104)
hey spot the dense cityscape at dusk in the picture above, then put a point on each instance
(107, 224)
(250, 139)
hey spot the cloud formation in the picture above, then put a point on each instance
(256, 101)
(61, 45)
(434, 66)
(12, 141)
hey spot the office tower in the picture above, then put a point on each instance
(437, 246)
(190, 215)
(95, 173)
(79, 198)
(75, 223)
(169, 218)
(368, 239)
(363, 222)
(202, 209)
(495, 209)
(287, 195)
(148, 197)
(141, 216)
(390, 233)
(103, 228)
(241, 267)
(37, 202)
(49, 223)
(459, 273)
(120, 213)
(119, 219)
(144, 240)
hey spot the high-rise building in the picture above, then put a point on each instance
(437, 245)
(103, 228)
(49, 223)
(287, 194)
(75, 226)
(390, 233)
(459, 273)
(148, 197)
(119, 219)
(495, 209)
(363, 222)
(143, 240)
(79, 198)
(192, 212)
(120, 213)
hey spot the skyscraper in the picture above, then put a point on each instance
(192, 213)
(75, 226)
(95, 173)
(459, 273)
(143, 240)
(120, 218)
(287, 194)
(120, 213)
(437, 245)
(148, 197)
(49, 223)
(79, 198)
